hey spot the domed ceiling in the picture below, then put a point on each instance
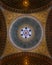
(3, 32)
(25, 6)
(49, 32)
(26, 59)
(23, 24)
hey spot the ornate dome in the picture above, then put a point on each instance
(25, 6)
(3, 32)
(26, 58)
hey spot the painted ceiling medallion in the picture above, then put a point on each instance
(25, 33)
(3, 32)
(26, 58)
(25, 6)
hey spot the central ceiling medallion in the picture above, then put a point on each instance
(26, 33)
